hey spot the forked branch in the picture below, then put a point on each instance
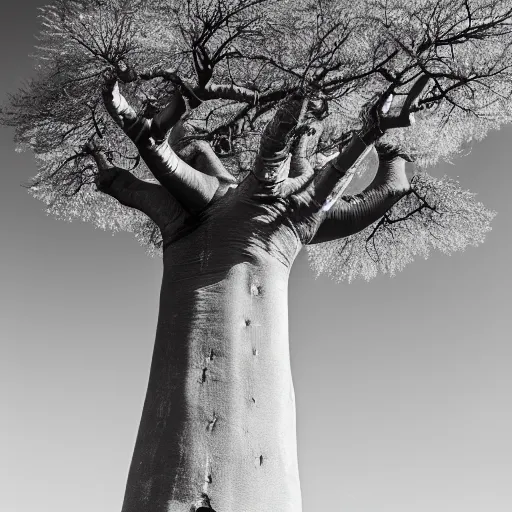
(329, 184)
(387, 220)
(193, 189)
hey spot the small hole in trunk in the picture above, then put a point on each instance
(211, 423)
(255, 290)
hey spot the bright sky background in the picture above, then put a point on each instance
(403, 385)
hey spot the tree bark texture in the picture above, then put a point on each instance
(218, 424)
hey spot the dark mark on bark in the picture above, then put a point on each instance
(254, 352)
(210, 479)
(247, 322)
(212, 354)
(261, 460)
(203, 378)
(253, 400)
(211, 423)
(255, 290)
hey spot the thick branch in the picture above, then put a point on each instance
(386, 220)
(214, 91)
(352, 214)
(150, 198)
(200, 155)
(329, 184)
(229, 92)
(323, 192)
(233, 92)
(274, 153)
(193, 189)
(301, 170)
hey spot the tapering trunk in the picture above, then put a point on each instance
(218, 425)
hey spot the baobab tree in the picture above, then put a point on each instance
(225, 135)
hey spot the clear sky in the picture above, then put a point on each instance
(403, 385)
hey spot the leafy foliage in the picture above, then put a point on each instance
(240, 58)
(437, 214)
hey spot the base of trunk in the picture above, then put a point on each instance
(202, 505)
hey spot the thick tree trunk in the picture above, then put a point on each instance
(218, 425)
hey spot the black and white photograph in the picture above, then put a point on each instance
(255, 255)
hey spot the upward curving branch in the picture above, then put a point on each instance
(273, 158)
(254, 58)
(193, 189)
(150, 198)
(352, 214)
(329, 184)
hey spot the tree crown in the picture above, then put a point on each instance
(235, 62)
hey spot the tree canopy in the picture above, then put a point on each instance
(235, 62)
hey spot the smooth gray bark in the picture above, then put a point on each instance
(218, 425)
